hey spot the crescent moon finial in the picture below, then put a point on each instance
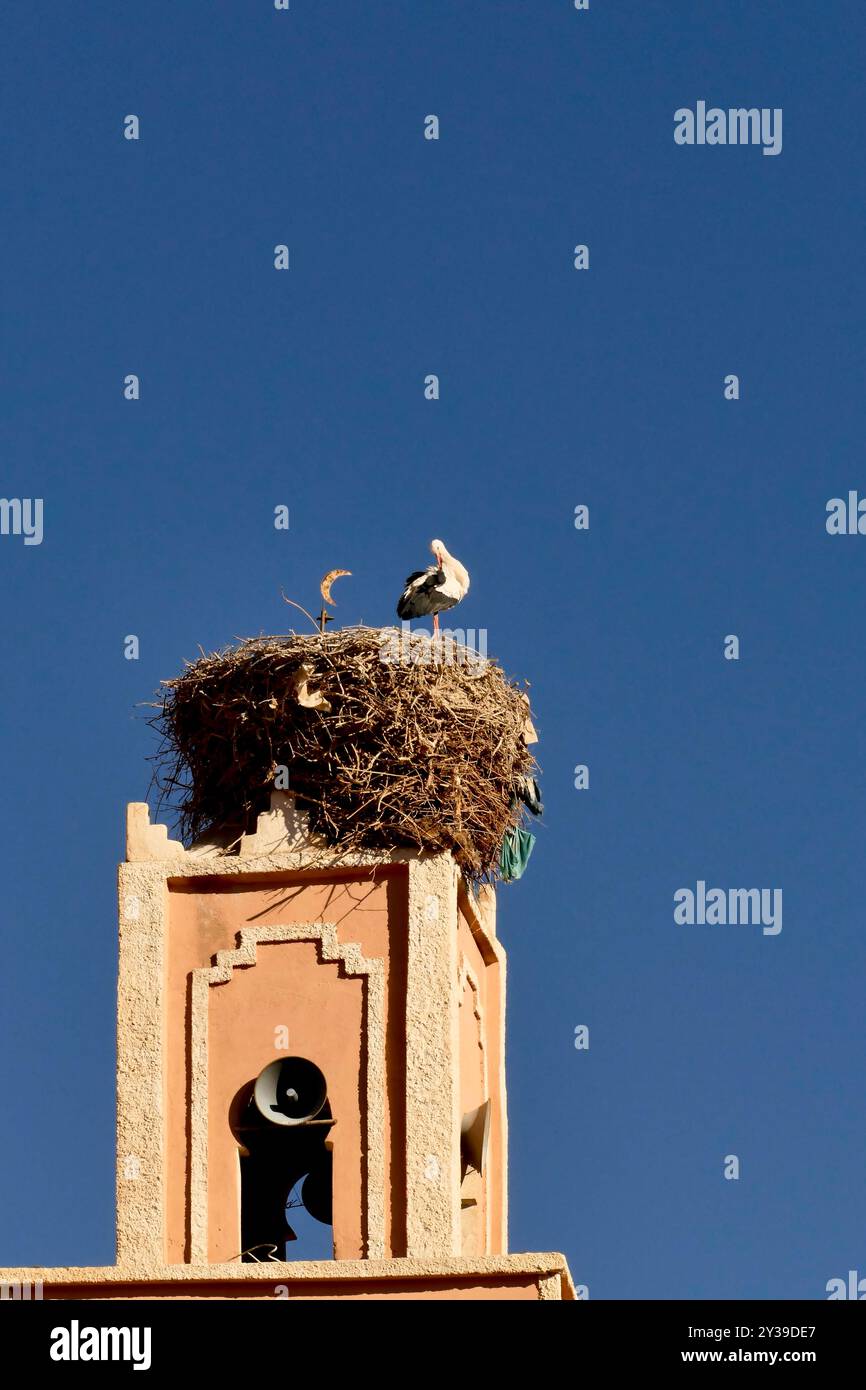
(325, 586)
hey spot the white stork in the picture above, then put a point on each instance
(438, 587)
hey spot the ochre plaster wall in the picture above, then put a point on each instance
(482, 1076)
(324, 1011)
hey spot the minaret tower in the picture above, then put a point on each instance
(373, 979)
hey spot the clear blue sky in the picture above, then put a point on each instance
(557, 388)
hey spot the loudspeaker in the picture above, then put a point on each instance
(291, 1091)
(317, 1190)
(474, 1138)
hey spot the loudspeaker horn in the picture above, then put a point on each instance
(474, 1138)
(290, 1091)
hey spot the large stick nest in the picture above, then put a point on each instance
(388, 741)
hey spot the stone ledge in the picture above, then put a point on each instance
(530, 1277)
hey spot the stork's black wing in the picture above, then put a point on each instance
(530, 793)
(419, 598)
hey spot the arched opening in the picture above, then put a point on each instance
(282, 1123)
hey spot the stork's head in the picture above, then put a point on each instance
(451, 566)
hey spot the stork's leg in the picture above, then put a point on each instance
(435, 622)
